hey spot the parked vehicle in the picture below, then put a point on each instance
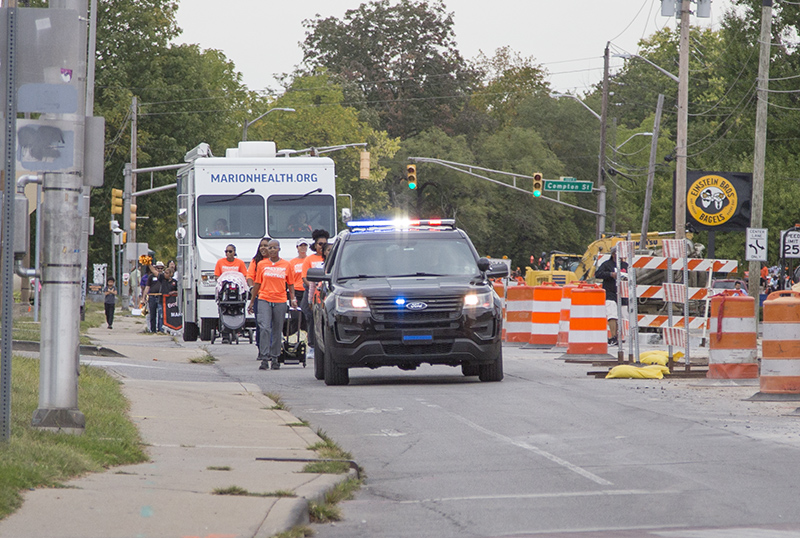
(251, 193)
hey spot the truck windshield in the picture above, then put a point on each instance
(230, 216)
(407, 257)
(294, 216)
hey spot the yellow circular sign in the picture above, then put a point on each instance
(712, 200)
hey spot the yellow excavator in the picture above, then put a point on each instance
(564, 268)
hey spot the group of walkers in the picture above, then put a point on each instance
(157, 281)
(277, 285)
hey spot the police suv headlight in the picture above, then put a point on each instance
(482, 300)
(345, 303)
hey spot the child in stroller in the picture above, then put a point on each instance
(231, 296)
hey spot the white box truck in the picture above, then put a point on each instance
(251, 193)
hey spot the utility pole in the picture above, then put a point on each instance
(61, 270)
(134, 164)
(759, 154)
(601, 188)
(683, 124)
(651, 173)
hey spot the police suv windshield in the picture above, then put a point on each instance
(390, 256)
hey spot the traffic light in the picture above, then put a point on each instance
(133, 216)
(538, 184)
(411, 176)
(116, 201)
(364, 165)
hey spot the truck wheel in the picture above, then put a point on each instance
(470, 369)
(334, 375)
(207, 328)
(492, 371)
(190, 332)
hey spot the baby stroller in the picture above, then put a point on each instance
(231, 296)
(292, 352)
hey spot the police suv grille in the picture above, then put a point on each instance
(433, 349)
(439, 309)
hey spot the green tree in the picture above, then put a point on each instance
(321, 119)
(402, 58)
(186, 95)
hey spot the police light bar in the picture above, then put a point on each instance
(402, 223)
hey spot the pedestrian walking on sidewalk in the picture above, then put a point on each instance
(110, 300)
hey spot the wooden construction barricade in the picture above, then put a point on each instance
(733, 348)
(563, 319)
(780, 346)
(588, 328)
(519, 306)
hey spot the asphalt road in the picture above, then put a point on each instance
(549, 451)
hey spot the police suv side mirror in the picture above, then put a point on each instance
(496, 270)
(317, 274)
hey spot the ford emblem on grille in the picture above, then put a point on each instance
(419, 305)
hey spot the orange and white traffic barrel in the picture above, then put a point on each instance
(588, 333)
(780, 344)
(563, 320)
(545, 315)
(519, 307)
(733, 346)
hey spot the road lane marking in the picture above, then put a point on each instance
(368, 411)
(602, 493)
(536, 450)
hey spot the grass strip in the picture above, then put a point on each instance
(35, 458)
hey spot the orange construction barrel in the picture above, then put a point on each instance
(545, 315)
(519, 305)
(732, 338)
(588, 327)
(780, 344)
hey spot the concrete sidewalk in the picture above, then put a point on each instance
(191, 429)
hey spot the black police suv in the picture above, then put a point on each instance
(404, 294)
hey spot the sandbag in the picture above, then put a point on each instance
(629, 371)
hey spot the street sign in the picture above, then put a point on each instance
(568, 185)
(791, 244)
(756, 249)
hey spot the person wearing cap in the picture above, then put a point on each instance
(153, 291)
(607, 272)
(230, 263)
(299, 289)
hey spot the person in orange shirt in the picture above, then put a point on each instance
(261, 253)
(318, 244)
(299, 289)
(230, 263)
(274, 278)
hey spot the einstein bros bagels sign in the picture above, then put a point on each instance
(718, 200)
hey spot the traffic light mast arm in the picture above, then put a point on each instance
(468, 169)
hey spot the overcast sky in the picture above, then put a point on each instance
(567, 37)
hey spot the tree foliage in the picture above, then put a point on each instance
(403, 59)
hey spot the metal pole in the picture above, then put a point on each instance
(61, 278)
(759, 154)
(134, 161)
(38, 247)
(10, 112)
(601, 189)
(651, 173)
(683, 123)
